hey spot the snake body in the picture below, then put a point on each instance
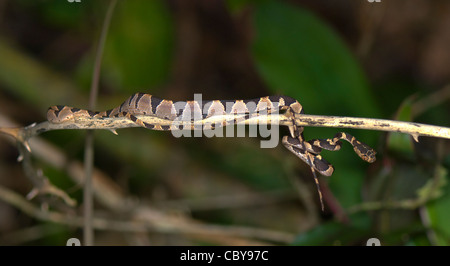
(220, 111)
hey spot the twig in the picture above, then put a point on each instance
(41, 184)
(88, 202)
(428, 192)
(434, 99)
(99, 54)
(88, 232)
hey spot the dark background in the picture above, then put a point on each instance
(347, 58)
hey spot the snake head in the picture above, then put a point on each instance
(365, 152)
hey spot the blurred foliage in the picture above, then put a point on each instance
(337, 233)
(299, 55)
(136, 55)
(295, 50)
(437, 213)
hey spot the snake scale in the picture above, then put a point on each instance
(167, 112)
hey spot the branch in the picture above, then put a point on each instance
(411, 128)
(41, 184)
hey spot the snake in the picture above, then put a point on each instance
(168, 112)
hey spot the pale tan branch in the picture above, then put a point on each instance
(304, 120)
(411, 128)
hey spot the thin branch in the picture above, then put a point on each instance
(430, 191)
(88, 232)
(434, 99)
(304, 120)
(41, 184)
(411, 128)
(88, 202)
(99, 55)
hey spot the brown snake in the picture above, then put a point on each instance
(167, 111)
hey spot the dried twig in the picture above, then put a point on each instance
(41, 184)
(89, 141)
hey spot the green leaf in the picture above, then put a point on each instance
(300, 56)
